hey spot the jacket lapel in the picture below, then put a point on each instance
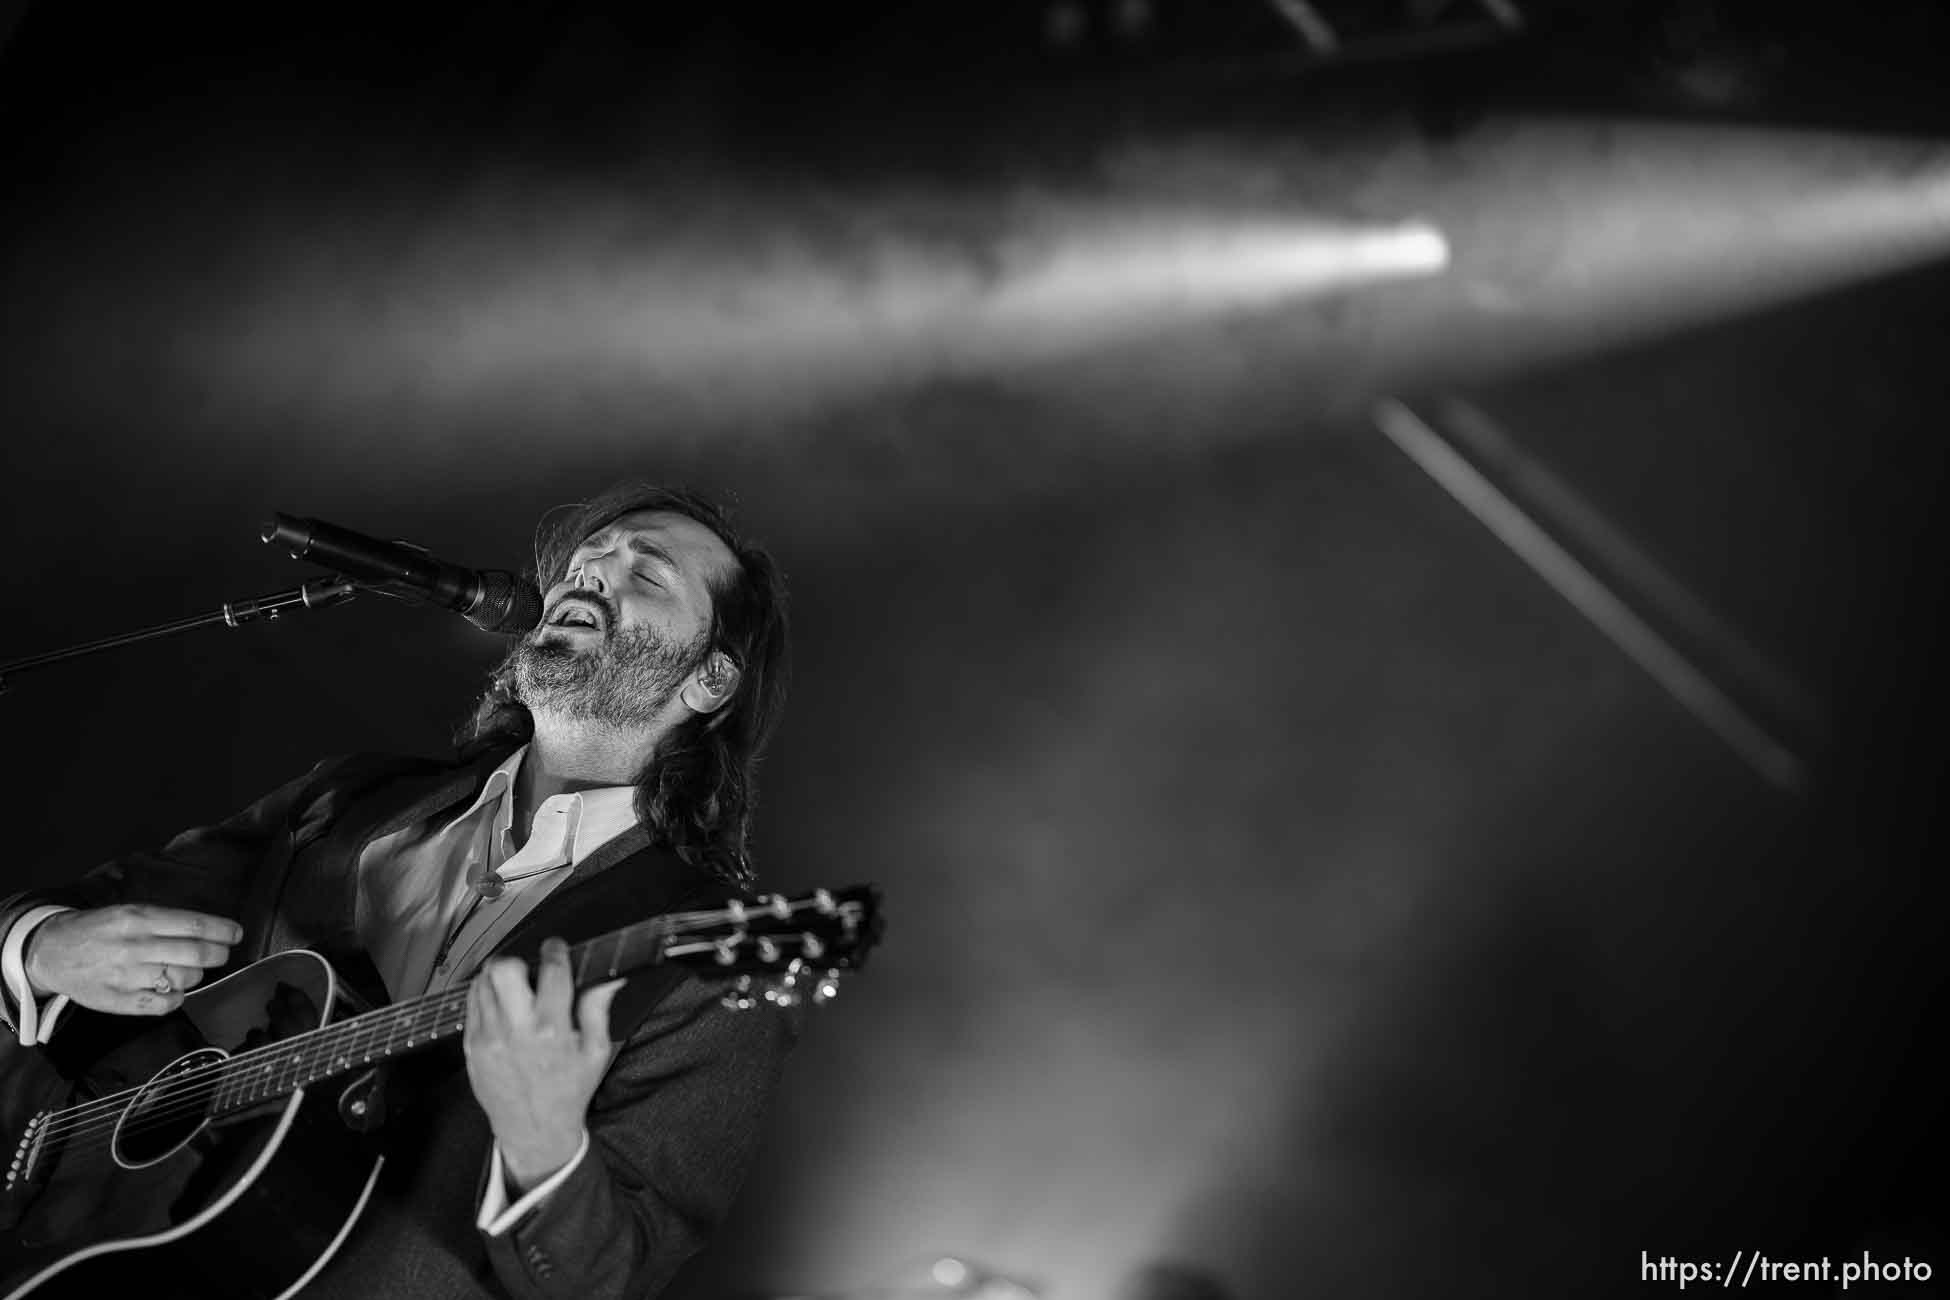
(618, 885)
(621, 883)
(407, 798)
(354, 803)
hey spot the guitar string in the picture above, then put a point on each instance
(183, 1102)
(342, 1042)
(370, 1019)
(104, 1113)
(193, 1091)
(197, 1100)
(389, 1019)
(187, 1093)
(366, 1030)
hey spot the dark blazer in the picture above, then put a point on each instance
(672, 1127)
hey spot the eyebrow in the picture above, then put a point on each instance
(642, 545)
(638, 541)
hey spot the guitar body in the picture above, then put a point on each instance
(120, 1185)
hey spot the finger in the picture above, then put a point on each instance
(175, 979)
(481, 1026)
(514, 1000)
(554, 986)
(181, 952)
(142, 977)
(179, 922)
(148, 1002)
(592, 1017)
(165, 979)
(493, 1016)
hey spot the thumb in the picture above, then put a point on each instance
(592, 1016)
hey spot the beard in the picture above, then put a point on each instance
(625, 681)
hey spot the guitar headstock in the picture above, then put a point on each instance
(783, 950)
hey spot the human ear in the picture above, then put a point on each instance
(712, 685)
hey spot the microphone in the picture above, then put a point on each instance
(493, 600)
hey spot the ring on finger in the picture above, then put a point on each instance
(163, 984)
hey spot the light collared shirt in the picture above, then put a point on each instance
(419, 915)
(422, 920)
(34, 1022)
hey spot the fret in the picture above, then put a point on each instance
(646, 942)
(400, 1036)
(636, 945)
(386, 1043)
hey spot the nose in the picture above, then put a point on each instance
(588, 575)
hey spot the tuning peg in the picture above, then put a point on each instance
(811, 946)
(823, 902)
(768, 949)
(727, 948)
(781, 906)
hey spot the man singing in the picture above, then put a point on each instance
(607, 775)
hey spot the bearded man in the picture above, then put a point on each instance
(606, 776)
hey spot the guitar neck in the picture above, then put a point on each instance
(833, 929)
(252, 1078)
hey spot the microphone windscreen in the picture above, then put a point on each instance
(508, 604)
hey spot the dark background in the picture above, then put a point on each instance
(1284, 882)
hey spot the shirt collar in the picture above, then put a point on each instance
(598, 815)
(498, 782)
(607, 811)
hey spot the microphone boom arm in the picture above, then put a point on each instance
(319, 593)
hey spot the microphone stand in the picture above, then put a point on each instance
(319, 593)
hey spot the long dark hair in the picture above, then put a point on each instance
(697, 793)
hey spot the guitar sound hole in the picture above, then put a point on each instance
(168, 1110)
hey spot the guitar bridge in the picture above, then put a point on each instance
(27, 1152)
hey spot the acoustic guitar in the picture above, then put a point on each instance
(242, 1126)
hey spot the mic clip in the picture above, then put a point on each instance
(393, 590)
